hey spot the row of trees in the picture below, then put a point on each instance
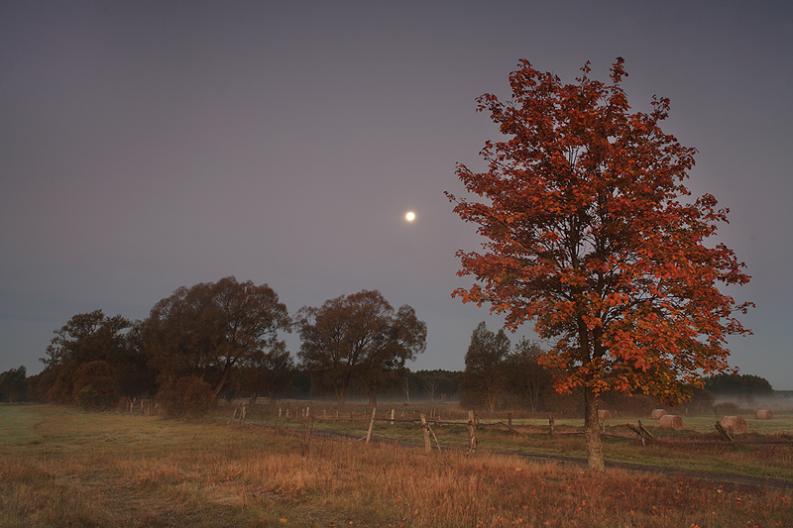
(500, 375)
(94, 359)
(13, 385)
(226, 337)
(496, 374)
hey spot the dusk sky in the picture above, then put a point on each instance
(150, 145)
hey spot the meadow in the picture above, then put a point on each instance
(60, 466)
(763, 456)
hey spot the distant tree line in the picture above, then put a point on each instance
(499, 375)
(224, 339)
(13, 385)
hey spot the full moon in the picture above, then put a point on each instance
(410, 216)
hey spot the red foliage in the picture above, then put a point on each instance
(591, 234)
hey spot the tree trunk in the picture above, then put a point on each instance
(221, 383)
(592, 427)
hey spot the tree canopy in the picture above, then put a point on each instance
(484, 376)
(87, 338)
(591, 233)
(210, 328)
(358, 336)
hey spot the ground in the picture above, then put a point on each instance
(63, 467)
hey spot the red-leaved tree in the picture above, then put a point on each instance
(592, 234)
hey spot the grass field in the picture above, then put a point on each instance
(63, 467)
(697, 449)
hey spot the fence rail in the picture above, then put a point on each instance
(473, 424)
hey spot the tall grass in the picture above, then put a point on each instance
(144, 471)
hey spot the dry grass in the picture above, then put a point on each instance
(66, 468)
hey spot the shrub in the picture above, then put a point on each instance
(95, 386)
(187, 396)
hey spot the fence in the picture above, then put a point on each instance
(427, 422)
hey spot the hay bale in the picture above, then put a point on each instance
(605, 414)
(657, 413)
(671, 421)
(764, 414)
(733, 424)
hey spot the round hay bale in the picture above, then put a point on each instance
(605, 414)
(764, 414)
(733, 424)
(671, 421)
(657, 413)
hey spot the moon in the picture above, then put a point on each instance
(410, 217)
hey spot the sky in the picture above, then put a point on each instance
(149, 145)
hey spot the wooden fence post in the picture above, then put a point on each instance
(645, 432)
(551, 423)
(638, 432)
(371, 426)
(279, 412)
(472, 432)
(392, 416)
(509, 419)
(437, 444)
(425, 429)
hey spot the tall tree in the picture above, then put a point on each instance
(86, 337)
(359, 337)
(210, 328)
(483, 379)
(525, 376)
(591, 234)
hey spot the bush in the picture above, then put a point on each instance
(187, 396)
(95, 386)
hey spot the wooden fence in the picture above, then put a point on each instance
(428, 422)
